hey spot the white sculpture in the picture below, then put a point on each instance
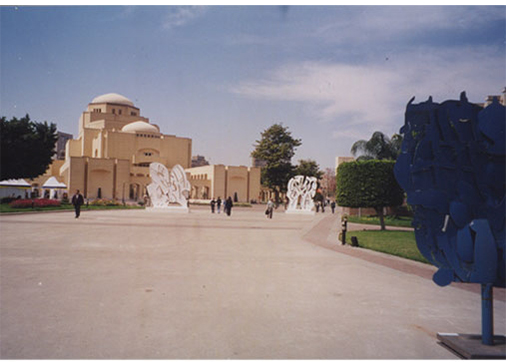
(301, 191)
(167, 189)
(179, 187)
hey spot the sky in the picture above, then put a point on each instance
(221, 75)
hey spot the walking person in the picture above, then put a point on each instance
(213, 203)
(228, 206)
(77, 201)
(270, 209)
(218, 203)
(333, 206)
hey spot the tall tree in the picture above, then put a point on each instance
(309, 168)
(26, 147)
(378, 147)
(368, 184)
(276, 148)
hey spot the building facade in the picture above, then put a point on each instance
(199, 160)
(239, 182)
(61, 142)
(115, 145)
(110, 157)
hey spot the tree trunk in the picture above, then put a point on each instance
(379, 211)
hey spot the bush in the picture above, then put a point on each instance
(368, 184)
(36, 203)
(104, 202)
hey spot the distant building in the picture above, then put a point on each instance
(60, 145)
(258, 162)
(501, 98)
(198, 161)
(340, 160)
(222, 181)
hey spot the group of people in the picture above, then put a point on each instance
(321, 205)
(78, 200)
(227, 205)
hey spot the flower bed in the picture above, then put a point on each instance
(39, 203)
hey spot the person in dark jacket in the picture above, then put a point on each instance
(213, 203)
(77, 201)
(228, 205)
(218, 203)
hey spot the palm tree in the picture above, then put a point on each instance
(378, 147)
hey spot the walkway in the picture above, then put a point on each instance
(139, 285)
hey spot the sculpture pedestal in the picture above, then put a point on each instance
(170, 209)
(471, 347)
(300, 212)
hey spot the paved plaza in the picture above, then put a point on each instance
(134, 284)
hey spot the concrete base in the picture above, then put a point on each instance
(471, 347)
(300, 212)
(170, 209)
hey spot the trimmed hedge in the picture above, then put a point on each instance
(368, 184)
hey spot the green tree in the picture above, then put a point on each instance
(26, 147)
(309, 168)
(368, 184)
(378, 147)
(276, 148)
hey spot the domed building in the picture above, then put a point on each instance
(111, 155)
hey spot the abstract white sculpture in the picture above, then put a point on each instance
(301, 191)
(179, 187)
(167, 189)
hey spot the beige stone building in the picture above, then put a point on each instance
(115, 145)
(224, 181)
(110, 157)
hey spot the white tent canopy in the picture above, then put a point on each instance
(53, 183)
(14, 188)
(15, 183)
(53, 186)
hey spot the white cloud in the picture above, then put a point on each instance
(181, 15)
(360, 99)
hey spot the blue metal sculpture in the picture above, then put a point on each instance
(452, 167)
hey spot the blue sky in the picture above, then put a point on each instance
(223, 74)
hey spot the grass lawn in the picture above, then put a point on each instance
(399, 243)
(389, 220)
(7, 208)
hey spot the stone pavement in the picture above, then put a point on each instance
(132, 284)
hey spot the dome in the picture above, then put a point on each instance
(112, 99)
(140, 127)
